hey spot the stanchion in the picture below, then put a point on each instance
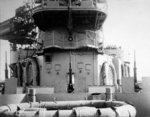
(109, 96)
(32, 95)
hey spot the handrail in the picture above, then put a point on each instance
(84, 3)
(90, 39)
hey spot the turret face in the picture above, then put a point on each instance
(75, 68)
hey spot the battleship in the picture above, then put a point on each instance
(60, 67)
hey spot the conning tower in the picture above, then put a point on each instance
(72, 39)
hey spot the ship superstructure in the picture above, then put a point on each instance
(57, 49)
(67, 47)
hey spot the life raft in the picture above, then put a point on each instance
(26, 71)
(125, 70)
(108, 75)
(32, 72)
(17, 72)
(82, 108)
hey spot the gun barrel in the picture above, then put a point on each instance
(135, 69)
(6, 68)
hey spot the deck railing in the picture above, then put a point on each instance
(87, 39)
(100, 4)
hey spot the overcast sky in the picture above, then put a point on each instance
(127, 25)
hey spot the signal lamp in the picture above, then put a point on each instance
(70, 38)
